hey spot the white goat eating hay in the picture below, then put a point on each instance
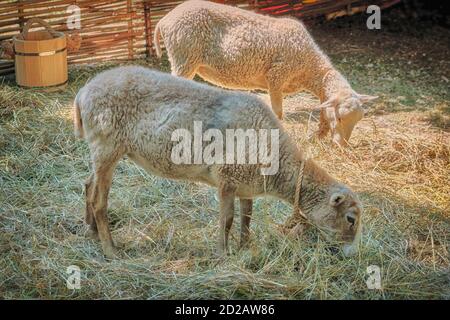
(134, 111)
(239, 49)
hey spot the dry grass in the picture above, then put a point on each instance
(398, 163)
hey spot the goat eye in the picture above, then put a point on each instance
(351, 220)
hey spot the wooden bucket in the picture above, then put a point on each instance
(40, 57)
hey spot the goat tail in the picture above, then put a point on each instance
(77, 122)
(156, 39)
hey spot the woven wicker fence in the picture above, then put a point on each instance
(122, 29)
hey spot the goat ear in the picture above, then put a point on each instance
(336, 199)
(364, 98)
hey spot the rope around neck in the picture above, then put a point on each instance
(298, 216)
(298, 189)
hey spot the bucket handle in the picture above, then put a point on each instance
(40, 22)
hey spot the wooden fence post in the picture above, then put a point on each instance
(148, 29)
(130, 30)
(20, 11)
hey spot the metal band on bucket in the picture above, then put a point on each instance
(44, 87)
(38, 54)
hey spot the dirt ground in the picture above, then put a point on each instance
(398, 163)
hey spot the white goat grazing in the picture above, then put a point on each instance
(239, 49)
(135, 111)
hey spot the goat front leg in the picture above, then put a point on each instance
(246, 214)
(324, 124)
(226, 198)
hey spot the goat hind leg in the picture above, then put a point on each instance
(186, 70)
(89, 216)
(103, 172)
(276, 100)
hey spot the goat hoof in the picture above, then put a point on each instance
(220, 254)
(93, 234)
(110, 253)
